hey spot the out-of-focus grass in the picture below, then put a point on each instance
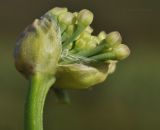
(128, 100)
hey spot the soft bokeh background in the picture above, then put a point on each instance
(128, 100)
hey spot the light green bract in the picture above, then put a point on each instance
(59, 50)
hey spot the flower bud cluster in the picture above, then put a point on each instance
(86, 59)
(62, 43)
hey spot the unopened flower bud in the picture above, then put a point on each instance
(70, 29)
(94, 40)
(113, 38)
(89, 29)
(121, 51)
(86, 42)
(80, 44)
(102, 35)
(68, 32)
(85, 17)
(75, 14)
(38, 48)
(66, 18)
(57, 11)
(85, 35)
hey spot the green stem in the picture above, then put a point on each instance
(94, 51)
(104, 57)
(39, 87)
(80, 28)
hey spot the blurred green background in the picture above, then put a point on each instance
(128, 100)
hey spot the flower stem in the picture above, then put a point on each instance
(104, 57)
(38, 89)
(94, 51)
(79, 29)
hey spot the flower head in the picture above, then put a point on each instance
(61, 43)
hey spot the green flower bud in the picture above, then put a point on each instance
(86, 42)
(57, 11)
(121, 51)
(66, 19)
(68, 32)
(95, 40)
(89, 29)
(95, 47)
(79, 76)
(102, 35)
(85, 17)
(75, 14)
(85, 35)
(38, 49)
(113, 38)
(80, 44)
